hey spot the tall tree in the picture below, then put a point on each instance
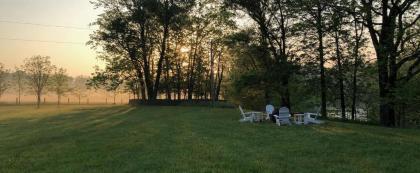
(338, 22)
(316, 18)
(38, 70)
(170, 11)
(358, 43)
(393, 27)
(138, 30)
(273, 18)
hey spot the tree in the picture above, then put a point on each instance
(79, 87)
(249, 83)
(170, 11)
(314, 14)
(4, 85)
(394, 30)
(138, 30)
(164, 46)
(273, 18)
(19, 77)
(110, 79)
(59, 83)
(38, 70)
(358, 41)
(338, 24)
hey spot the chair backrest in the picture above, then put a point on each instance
(284, 112)
(318, 110)
(269, 109)
(242, 111)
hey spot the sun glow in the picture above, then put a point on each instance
(184, 50)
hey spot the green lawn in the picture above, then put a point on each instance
(192, 139)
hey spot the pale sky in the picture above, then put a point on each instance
(77, 58)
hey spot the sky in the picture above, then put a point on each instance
(19, 41)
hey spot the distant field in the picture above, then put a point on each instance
(191, 139)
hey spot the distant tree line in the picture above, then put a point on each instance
(38, 76)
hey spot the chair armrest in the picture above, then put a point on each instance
(281, 117)
(253, 113)
(248, 114)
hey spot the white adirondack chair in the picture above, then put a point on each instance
(269, 109)
(248, 116)
(312, 118)
(283, 117)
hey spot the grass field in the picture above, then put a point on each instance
(192, 139)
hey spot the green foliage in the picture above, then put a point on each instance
(59, 83)
(38, 70)
(4, 84)
(408, 103)
(19, 77)
(162, 46)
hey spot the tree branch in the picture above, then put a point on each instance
(406, 59)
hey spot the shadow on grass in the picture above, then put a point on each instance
(193, 139)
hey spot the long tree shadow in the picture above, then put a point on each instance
(109, 133)
(64, 125)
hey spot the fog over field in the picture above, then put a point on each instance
(95, 97)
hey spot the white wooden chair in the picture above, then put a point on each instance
(312, 118)
(283, 117)
(249, 116)
(269, 109)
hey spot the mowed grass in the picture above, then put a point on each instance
(192, 139)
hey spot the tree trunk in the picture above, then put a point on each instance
(285, 96)
(178, 85)
(38, 103)
(386, 105)
(167, 79)
(142, 91)
(355, 69)
(191, 80)
(220, 70)
(321, 60)
(354, 97)
(340, 75)
(20, 88)
(166, 22)
(148, 83)
(212, 83)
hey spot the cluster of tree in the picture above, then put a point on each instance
(38, 76)
(294, 52)
(170, 49)
(323, 46)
